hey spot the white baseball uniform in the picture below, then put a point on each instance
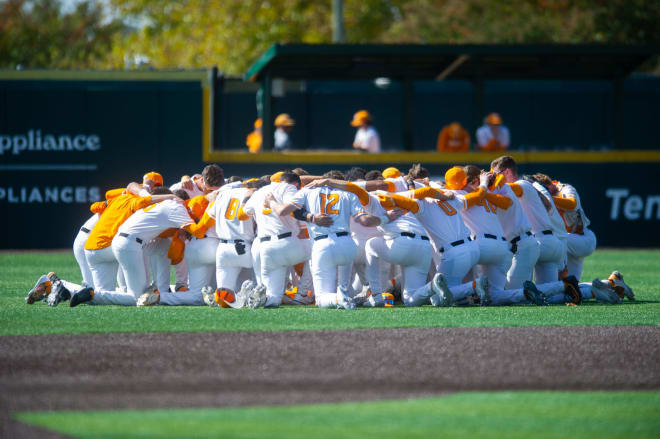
(79, 250)
(279, 245)
(581, 241)
(127, 246)
(333, 250)
(403, 242)
(551, 251)
(368, 139)
(234, 252)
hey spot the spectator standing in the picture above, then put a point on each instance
(284, 125)
(253, 140)
(366, 137)
(453, 138)
(493, 136)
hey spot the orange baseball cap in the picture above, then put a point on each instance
(360, 117)
(391, 172)
(494, 119)
(455, 178)
(284, 120)
(275, 178)
(258, 123)
(154, 176)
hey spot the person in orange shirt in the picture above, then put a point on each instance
(493, 135)
(98, 252)
(453, 138)
(253, 140)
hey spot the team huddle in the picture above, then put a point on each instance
(372, 239)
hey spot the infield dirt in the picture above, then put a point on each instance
(124, 371)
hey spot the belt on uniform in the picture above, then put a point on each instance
(280, 236)
(457, 243)
(547, 232)
(231, 241)
(412, 235)
(126, 235)
(518, 238)
(316, 238)
(489, 236)
(84, 229)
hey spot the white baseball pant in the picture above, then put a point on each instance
(523, 262)
(277, 255)
(229, 263)
(332, 258)
(131, 259)
(414, 255)
(455, 262)
(551, 256)
(79, 250)
(156, 252)
(103, 265)
(495, 259)
(578, 248)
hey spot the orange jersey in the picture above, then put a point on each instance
(118, 210)
(448, 143)
(253, 142)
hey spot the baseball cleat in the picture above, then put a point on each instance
(481, 287)
(442, 294)
(385, 300)
(58, 292)
(243, 294)
(619, 286)
(150, 297)
(343, 301)
(257, 297)
(603, 293)
(208, 293)
(533, 294)
(572, 290)
(42, 288)
(82, 296)
(180, 288)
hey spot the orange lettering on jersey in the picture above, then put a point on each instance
(328, 202)
(489, 207)
(232, 208)
(148, 208)
(446, 207)
(266, 211)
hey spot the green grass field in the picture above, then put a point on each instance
(20, 270)
(465, 415)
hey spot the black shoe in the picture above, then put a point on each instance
(58, 294)
(533, 294)
(572, 290)
(82, 296)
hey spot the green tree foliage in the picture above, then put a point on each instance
(36, 34)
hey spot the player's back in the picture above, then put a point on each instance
(118, 211)
(227, 222)
(442, 220)
(533, 207)
(513, 220)
(151, 221)
(339, 205)
(482, 218)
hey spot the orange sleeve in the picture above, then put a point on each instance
(113, 193)
(426, 192)
(565, 203)
(474, 198)
(499, 181)
(357, 190)
(386, 201)
(98, 207)
(199, 230)
(405, 203)
(168, 233)
(390, 186)
(516, 189)
(177, 250)
(138, 203)
(501, 201)
(241, 215)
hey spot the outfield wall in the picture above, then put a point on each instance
(65, 141)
